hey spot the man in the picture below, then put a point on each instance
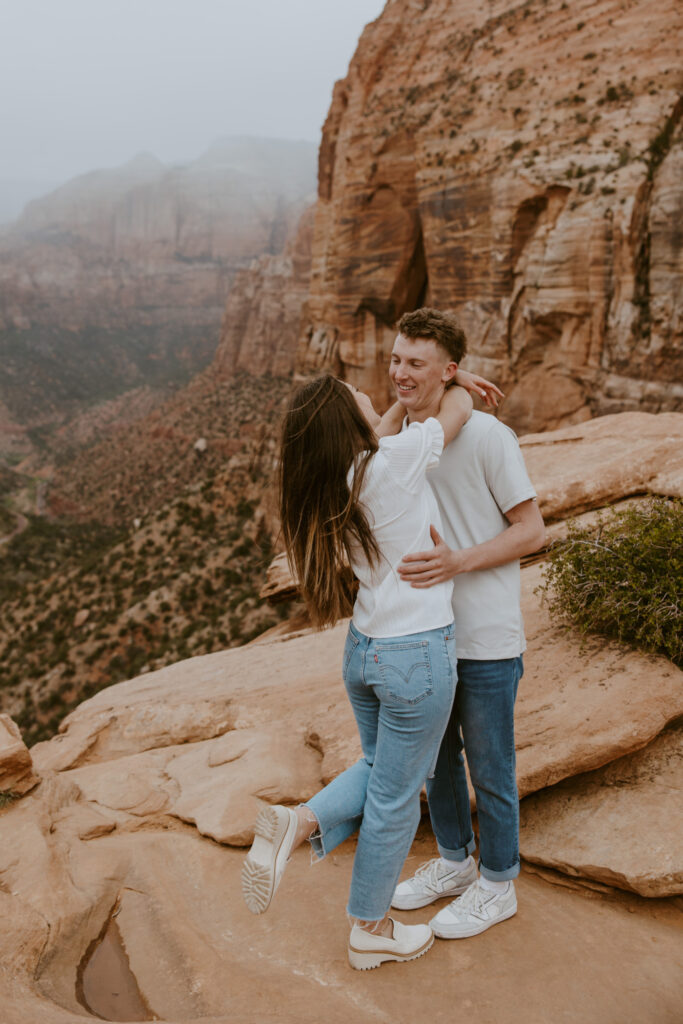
(490, 519)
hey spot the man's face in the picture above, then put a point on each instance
(419, 371)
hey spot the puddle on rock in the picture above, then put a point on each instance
(106, 985)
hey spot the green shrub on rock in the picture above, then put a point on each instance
(623, 579)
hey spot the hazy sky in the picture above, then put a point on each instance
(89, 83)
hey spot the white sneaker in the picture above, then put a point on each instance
(274, 833)
(474, 912)
(409, 941)
(432, 881)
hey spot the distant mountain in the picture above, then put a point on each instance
(119, 278)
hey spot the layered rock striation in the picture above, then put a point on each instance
(519, 164)
(262, 319)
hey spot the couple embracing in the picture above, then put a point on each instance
(432, 508)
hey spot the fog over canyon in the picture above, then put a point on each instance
(118, 279)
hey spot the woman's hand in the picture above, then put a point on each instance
(479, 386)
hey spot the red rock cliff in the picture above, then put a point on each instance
(522, 165)
(262, 318)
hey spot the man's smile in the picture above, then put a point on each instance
(419, 370)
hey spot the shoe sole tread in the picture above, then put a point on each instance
(384, 956)
(258, 880)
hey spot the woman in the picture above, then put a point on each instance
(349, 495)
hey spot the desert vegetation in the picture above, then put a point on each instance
(622, 578)
(86, 603)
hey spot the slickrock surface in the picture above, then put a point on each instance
(519, 163)
(582, 704)
(621, 824)
(16, 766)
(604, 460)
(194, 950)
(152, 781)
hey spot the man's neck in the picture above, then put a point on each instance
(420, 415)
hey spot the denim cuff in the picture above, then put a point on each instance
(499, 876)
(362, 916)
(460, 854)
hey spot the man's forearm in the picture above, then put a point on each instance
(526, 533)
(514, 542)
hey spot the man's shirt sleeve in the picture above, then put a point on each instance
(504, 468)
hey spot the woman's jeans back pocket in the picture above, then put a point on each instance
(405, 670)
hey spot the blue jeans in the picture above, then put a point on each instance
(401, 690)
(482, 722)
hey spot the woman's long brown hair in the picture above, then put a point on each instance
(322, 518)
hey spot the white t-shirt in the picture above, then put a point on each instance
(481, 475)
(400, 507)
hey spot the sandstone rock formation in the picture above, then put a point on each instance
(565, 715)
(261, 323)
(191, 950)
(192, 739)
(519, 164)
(599, 462)
(119, 278)
(566, 718)
(16, 766)
(620, 825)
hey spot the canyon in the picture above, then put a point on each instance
(495, 161)
(498, 162)
(517, 163)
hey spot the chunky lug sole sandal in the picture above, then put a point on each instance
(367, 959)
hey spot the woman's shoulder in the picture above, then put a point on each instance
(411, 453)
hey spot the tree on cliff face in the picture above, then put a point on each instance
(505, 162)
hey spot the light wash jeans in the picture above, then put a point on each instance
(482, 722)
(401, 690)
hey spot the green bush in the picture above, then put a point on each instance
(623, 579)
